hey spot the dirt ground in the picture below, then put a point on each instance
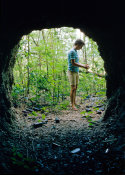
(63, 143)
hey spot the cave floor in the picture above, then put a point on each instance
(65, 142)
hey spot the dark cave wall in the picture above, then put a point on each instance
(109, 37)
(110, 52)
(7, 60)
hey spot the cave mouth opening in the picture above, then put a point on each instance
(40, 74)
(47, 130)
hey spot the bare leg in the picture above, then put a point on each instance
(73, 96)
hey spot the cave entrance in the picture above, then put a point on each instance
(49, 134)
(40, 75)
(48, 128)
(49, 131)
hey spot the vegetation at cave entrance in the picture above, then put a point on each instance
(40, 72)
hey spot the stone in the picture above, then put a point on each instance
(37, 125)
(55, 145)
(24, 111)
(76, 150)
(38, 146)
(88, 97)
(29, 110)
(99, 106)
(88, 110)
(98, 112)
(107, 150)
(40, 124)
(88, 106)
(102, 108)
(36, 109)
(25, 114)
(57, 120)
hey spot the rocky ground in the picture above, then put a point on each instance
(63, 142)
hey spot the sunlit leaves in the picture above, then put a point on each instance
(41, 66)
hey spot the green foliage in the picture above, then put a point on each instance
(95, 108)
(44, 109)
(40, 72)
(34, 113)
(43, 116)
(86, 113)
(102, 92)
(88, 117)
(39, 120)
(63, 105)
(19, 160)
(83, 112)
(90, 123)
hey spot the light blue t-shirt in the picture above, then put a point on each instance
(72, 54)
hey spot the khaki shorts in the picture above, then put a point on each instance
(73, 77)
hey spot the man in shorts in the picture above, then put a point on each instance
(73, 70)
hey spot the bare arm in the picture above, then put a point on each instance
(79, 64)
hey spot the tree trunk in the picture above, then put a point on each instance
(28, 69)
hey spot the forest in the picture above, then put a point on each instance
(40, 72)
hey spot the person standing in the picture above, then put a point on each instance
(73, 70)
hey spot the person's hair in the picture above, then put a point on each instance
(79, 42)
